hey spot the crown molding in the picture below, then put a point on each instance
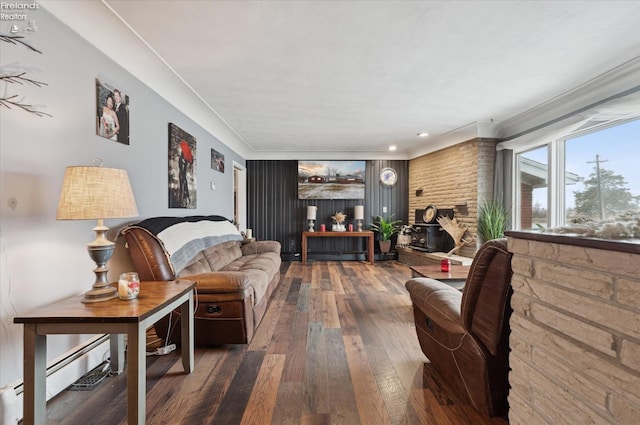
(615, 83)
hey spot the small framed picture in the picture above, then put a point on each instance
(112, 112)
(217, 161)
(182, 168)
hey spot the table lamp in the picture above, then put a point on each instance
(358, 214)
(97, 193)
(311, 216)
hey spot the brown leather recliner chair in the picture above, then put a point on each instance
(466, 335)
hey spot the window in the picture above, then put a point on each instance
(603, 173)
(592, 175)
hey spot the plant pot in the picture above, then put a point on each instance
(385, 246)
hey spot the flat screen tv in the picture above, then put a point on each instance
(331, 179)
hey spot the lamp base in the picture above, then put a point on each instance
(100, 251)
(97, 295)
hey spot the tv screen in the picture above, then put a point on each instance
(331, 179)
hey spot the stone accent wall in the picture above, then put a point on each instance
(575, 332)
(452, 176)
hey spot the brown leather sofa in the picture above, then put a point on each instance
(235, 280)
(466, 335)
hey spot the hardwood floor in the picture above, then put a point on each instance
(336, 346)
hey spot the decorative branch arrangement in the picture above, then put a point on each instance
(457, 231)
(9, 101)
(17, 39)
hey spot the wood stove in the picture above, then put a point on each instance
(430, 237)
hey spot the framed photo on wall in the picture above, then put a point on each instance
(182, 168)
(217, 161)
(112, 112)
(331, 179)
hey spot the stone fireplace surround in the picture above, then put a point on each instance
(575, 330)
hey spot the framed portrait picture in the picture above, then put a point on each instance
(182, 168)
(217, 161)
(112, 111)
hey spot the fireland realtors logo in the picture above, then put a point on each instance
(18, 14)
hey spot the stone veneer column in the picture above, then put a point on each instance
(575, 330)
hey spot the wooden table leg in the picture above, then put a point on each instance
(136, 374)
(116, 347)
(370, 250)
(304, 249)
(186, 312)
(35, 376)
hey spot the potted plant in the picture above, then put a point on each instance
(386, 227)
(492, 220)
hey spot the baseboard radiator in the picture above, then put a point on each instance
(61, 372)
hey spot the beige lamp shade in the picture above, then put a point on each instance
(311, 212)
(359, 212)
(96, 193)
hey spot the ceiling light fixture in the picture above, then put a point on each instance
(423, 134)
(393, 147)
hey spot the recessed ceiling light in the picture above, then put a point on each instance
(393, 147)
(423, 134)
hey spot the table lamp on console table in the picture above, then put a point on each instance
(359, 216)
(97, 193)
(311, 216)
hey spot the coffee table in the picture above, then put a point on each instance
(456, 276)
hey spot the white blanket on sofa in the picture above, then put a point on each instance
(183, 241)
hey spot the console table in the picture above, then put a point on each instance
(115, 317)
(363, 234)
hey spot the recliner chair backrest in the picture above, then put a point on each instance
(485, 300)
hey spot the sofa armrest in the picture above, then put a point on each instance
(438, 301)
(258, 247)
(148, 256)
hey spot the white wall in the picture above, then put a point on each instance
(41, 259)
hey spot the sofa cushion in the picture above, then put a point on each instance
(213, 258)
(260, 269)
(258, 247)
(267, 262)
(251, 282)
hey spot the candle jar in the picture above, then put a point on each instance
(445, 265)
(128, 286)
(323, 227)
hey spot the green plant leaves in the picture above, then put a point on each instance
(386, 227)
(492, 220)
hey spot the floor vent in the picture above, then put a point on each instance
(92, 378)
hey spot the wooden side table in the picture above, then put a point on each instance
(115, 317)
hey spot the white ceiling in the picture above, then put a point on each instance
(311, 78)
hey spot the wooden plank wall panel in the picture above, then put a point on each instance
(274, 211)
